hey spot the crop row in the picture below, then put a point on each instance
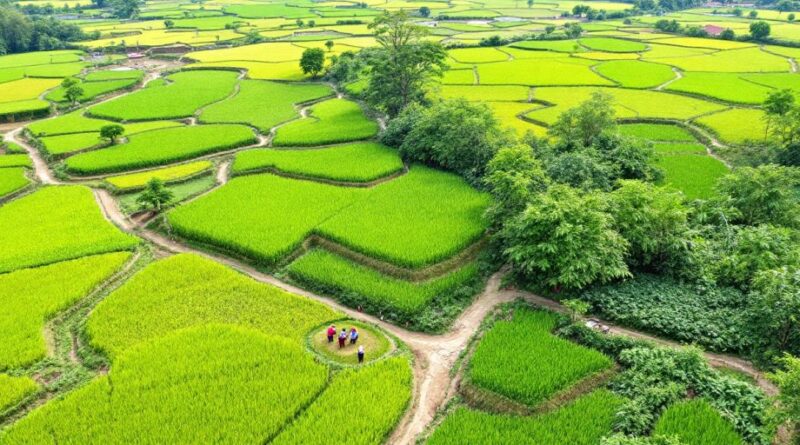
(133, 181)
(332, 121)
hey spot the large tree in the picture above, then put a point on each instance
(312, 61)
(565, 238)
(653, 220)
(763, 195)
(513, 177)
(775, 309)
(404, 63)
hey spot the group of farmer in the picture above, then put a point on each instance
(343, 336)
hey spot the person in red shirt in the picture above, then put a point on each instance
(331, 333)
(343, 338)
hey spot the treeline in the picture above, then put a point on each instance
(20, 33)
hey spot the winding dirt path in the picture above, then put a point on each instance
(41, 168)
(435, 355)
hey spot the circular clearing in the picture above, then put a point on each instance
(375, 343)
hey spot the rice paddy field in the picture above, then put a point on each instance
(293, 216)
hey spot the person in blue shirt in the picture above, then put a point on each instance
(353, 336)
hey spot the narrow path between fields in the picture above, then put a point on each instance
(678, 76)
(41, 168)
(435, 355)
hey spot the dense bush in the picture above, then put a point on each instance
(712, 317)
(453, 134)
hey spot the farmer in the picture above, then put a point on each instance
(361, 354)
(353, 336)
(342, 338)
(331, 333)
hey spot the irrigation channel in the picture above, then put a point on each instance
(435, 356)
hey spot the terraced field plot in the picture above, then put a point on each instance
(55, 224)
(12, 179)
(248, 106)
(359, 162)
(329, 122)
(184, 94)
(413, 221)
(159, 147)
(523, 361)
(182, 172)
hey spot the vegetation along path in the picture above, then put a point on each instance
(435, 355)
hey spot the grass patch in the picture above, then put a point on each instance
(65, 144)
(159, 147)
(680, 148)
(180, 192)
(359, 162)
(15, 160)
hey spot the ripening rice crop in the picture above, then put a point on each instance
(258, 70)
(64, 144)
(12, 179)
(459, 77)
(339, 276)
(582, 422)
(602, 56)
(680, 148)
(730, 87)
(540, 72)
(181, 172)
(694, 175)
(77, 122)
(24, 106)
(56, 224)
(332, 121)
(508, 114)
(635, 73)
(29, 297)
(263, 217)
(696, 422)
(745, 60)
(186, 92)
(567, 46)
(15, 160)
(416, 220)
(262, 52)
(13, 390)
(188, 290)
(737, 125)
(40, 58)
(627, 103)
(105, 75)
(26, 89)
(56, 70)
(484, 93)
(478, 55)
(359, 407)
(775, 80)
(522, 360)
(263, 104)
(612, 45)
(159, 147)
(91, 90)
(208, 384)
(359, 162)
(696, 42)
(657, 132)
